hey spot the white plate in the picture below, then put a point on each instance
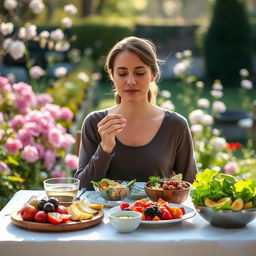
(138, 191)
(93, 197)
(189, 213)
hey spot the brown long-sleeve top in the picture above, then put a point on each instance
(171, 149)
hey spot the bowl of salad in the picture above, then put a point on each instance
(172, 190)
(112, 190)
(224, 200)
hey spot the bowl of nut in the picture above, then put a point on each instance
(112, 190)
(172, 190)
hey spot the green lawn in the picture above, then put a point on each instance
(232, 97)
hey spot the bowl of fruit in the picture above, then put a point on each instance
(223, 200)
(172, 190)
(112, 190)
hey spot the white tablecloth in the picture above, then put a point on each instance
(191, 237)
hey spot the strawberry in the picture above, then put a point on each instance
(124, 206)
(65, 217)
(54, 217)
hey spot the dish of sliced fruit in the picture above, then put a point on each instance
(49, 215)
(158, 213)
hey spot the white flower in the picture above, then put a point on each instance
(187, 53)
(219, 106)
(17, 49)
(216, 94)
(196, 116)
(178, 55)
(96, 76)
(6, 28)
(168, 105)
(199, 84)
(180, 68)
(244, 72)
(62, 46)
(83, 76)
(217, 86)
(70, 9)
(216, 132)
(44, 34)
(57, 34)
(7, 43)
(165, 94)
(10, 4)
(30, 31)
(36, 72)
(207, 119)
(67, 22)
(36, 6)
(246, 84)
(203, 103)
(218, 143)
(196, 128)
(61, 71)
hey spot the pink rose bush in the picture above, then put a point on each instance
(33, 140)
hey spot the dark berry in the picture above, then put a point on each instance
(54, 201)
(150, 211)
(41, 204)
(159, 214)
(49, 207)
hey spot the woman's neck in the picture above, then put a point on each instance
(134, 111)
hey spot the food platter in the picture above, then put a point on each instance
(189, 213)
(47, 227)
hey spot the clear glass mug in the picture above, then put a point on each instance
(64, 189)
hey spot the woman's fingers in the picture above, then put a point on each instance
(112, 118)
(108, 129)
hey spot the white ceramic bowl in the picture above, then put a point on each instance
(125, 221)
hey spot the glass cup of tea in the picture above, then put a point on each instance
(64, 189)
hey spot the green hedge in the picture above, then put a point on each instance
(228, 42)
(99, 36)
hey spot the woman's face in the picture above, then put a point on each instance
(131, 77)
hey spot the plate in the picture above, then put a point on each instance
(138, 191)
(47, 227)
(189, 213)
(93, 197)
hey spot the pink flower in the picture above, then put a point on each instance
(49, 158)
(1, 117)
(30, 154)
(43, 98)
(17, 122)
(12, 145)
(55, 137)
(71, 161)
(4, 168)
(4, 85)
(53, 109)
(40, 149)
(25, 137)
(66, 114)
(58, 173)
(68, 141)
(36, 72)
(230, 168)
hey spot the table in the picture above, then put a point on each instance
(191, 237)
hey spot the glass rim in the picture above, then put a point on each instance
(62, 179)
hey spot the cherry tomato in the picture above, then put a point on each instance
(103, 186)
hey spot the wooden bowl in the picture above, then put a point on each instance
(171, 196)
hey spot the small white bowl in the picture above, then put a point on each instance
(125, 221)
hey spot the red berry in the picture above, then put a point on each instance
(124, 205)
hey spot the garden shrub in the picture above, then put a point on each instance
(228, 42)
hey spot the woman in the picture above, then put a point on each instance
(134, 138)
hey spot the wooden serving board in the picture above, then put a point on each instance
(47, 227)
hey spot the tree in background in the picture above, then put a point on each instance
(227, 42)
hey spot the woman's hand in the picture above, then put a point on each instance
(108, 128)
